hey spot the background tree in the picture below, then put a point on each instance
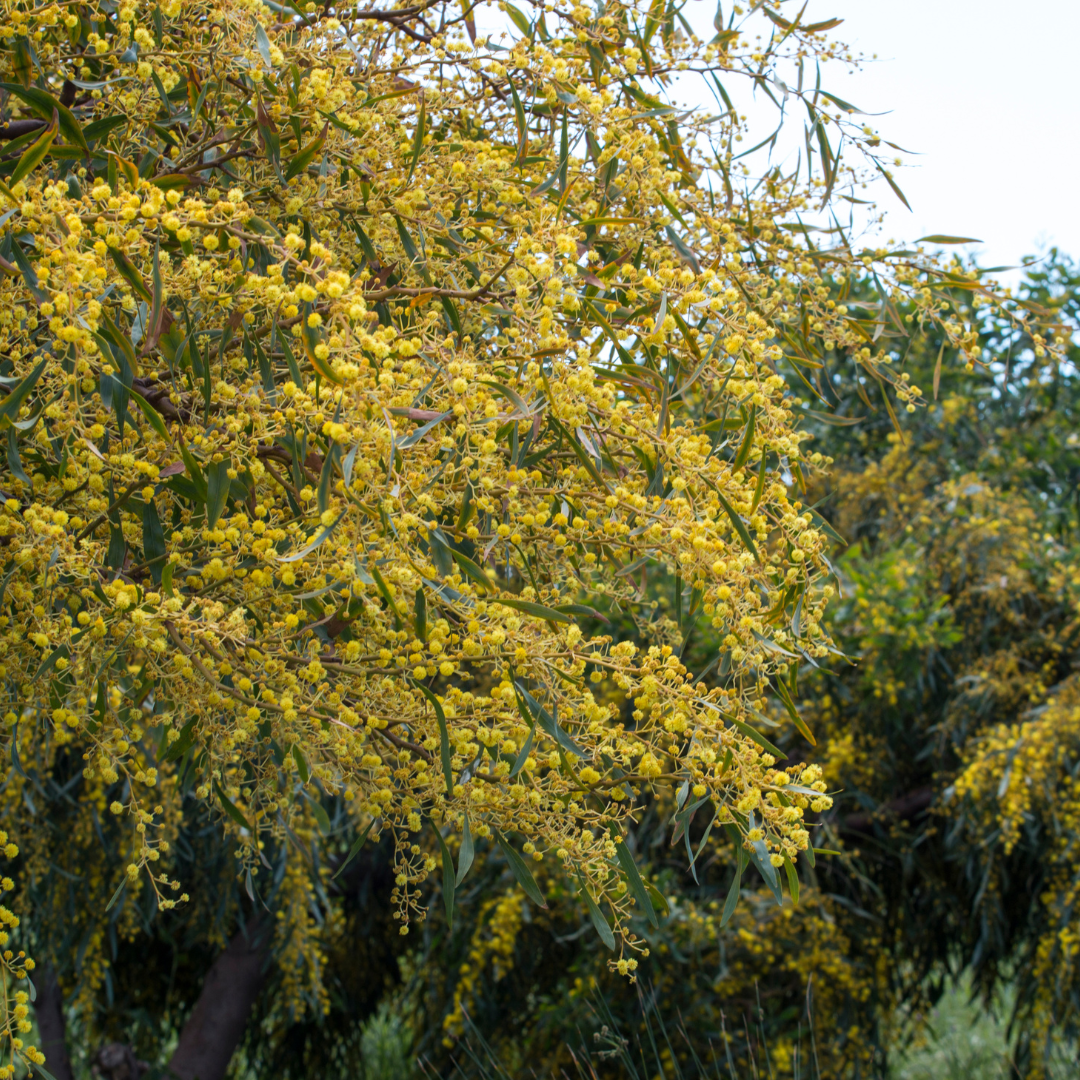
(357, 366)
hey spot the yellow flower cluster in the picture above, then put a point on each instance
(352, 386)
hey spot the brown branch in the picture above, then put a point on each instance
(49, 1012)
(217, 1022)
(904, 808)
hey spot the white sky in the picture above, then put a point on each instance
(985, 91)
(982, 92)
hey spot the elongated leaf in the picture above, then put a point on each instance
(130, 274)
(634, 881)
(299, 162)
(301, 763)
(511, 395)
(793, 712)
(759, 856)
(938, 238)
(151, 414)
(217, 491)
(180, 747)
(523, 753)
(13, 459)
(444, 738)
(466, 854)
(320, 814)
(732, 900)
(10, 405)
(739, 525)
(116, 895)
(33, 155)
(748, 441)
(546, 721)
(792, 879)
(319, 539)
(680, 245)
(600, 924)
(448, 880)
(418, 140)
(530, 608)
(471, 570)
(262, 43)
(521, 871)
(45, 106)
(357, 844)
(153, 540)
(230, 807)
(519, 20)
(420, 609)
(420, 432)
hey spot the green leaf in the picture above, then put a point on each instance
(792, 879)
(546, 721)
(796, 718)
(33, 155)
(511, 395)
(523, 753)
(659, 901)
(305, 157)
(444, 738)
(358, 843)
(130, 274)
(732, 900)
(10, 405)
(759, 856)
(530, 608)
(116, 895)
(217, 490)
(153, 539)
(301, 763)
(683, 249)
(519, 116)
(384, 589)
(262, 43)
(230, 807)
(519, 20)
(296, 556)
(937, 238)
(600, 924)
(151, 414)
(320, 814)
(13, 459)
(45, 105)
(738, 524)
(465, 855)
(180, 747)
(418, 141)
(748, 441)
(521, 871)
(420, 609)
(633, 880)
(194, 471)
(470, 569)
(891, 182)
(448, 880)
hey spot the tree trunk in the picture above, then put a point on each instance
(49, 1011)
(217, 1022)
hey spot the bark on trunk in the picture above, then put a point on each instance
(49, 1012)
(217, 1022)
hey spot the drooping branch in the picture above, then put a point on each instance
(217, 1022)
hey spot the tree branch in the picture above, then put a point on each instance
(217, 1022)
(49, 1011)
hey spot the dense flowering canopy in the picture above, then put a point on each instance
(356, 365)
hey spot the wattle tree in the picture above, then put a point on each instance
(355, 361)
